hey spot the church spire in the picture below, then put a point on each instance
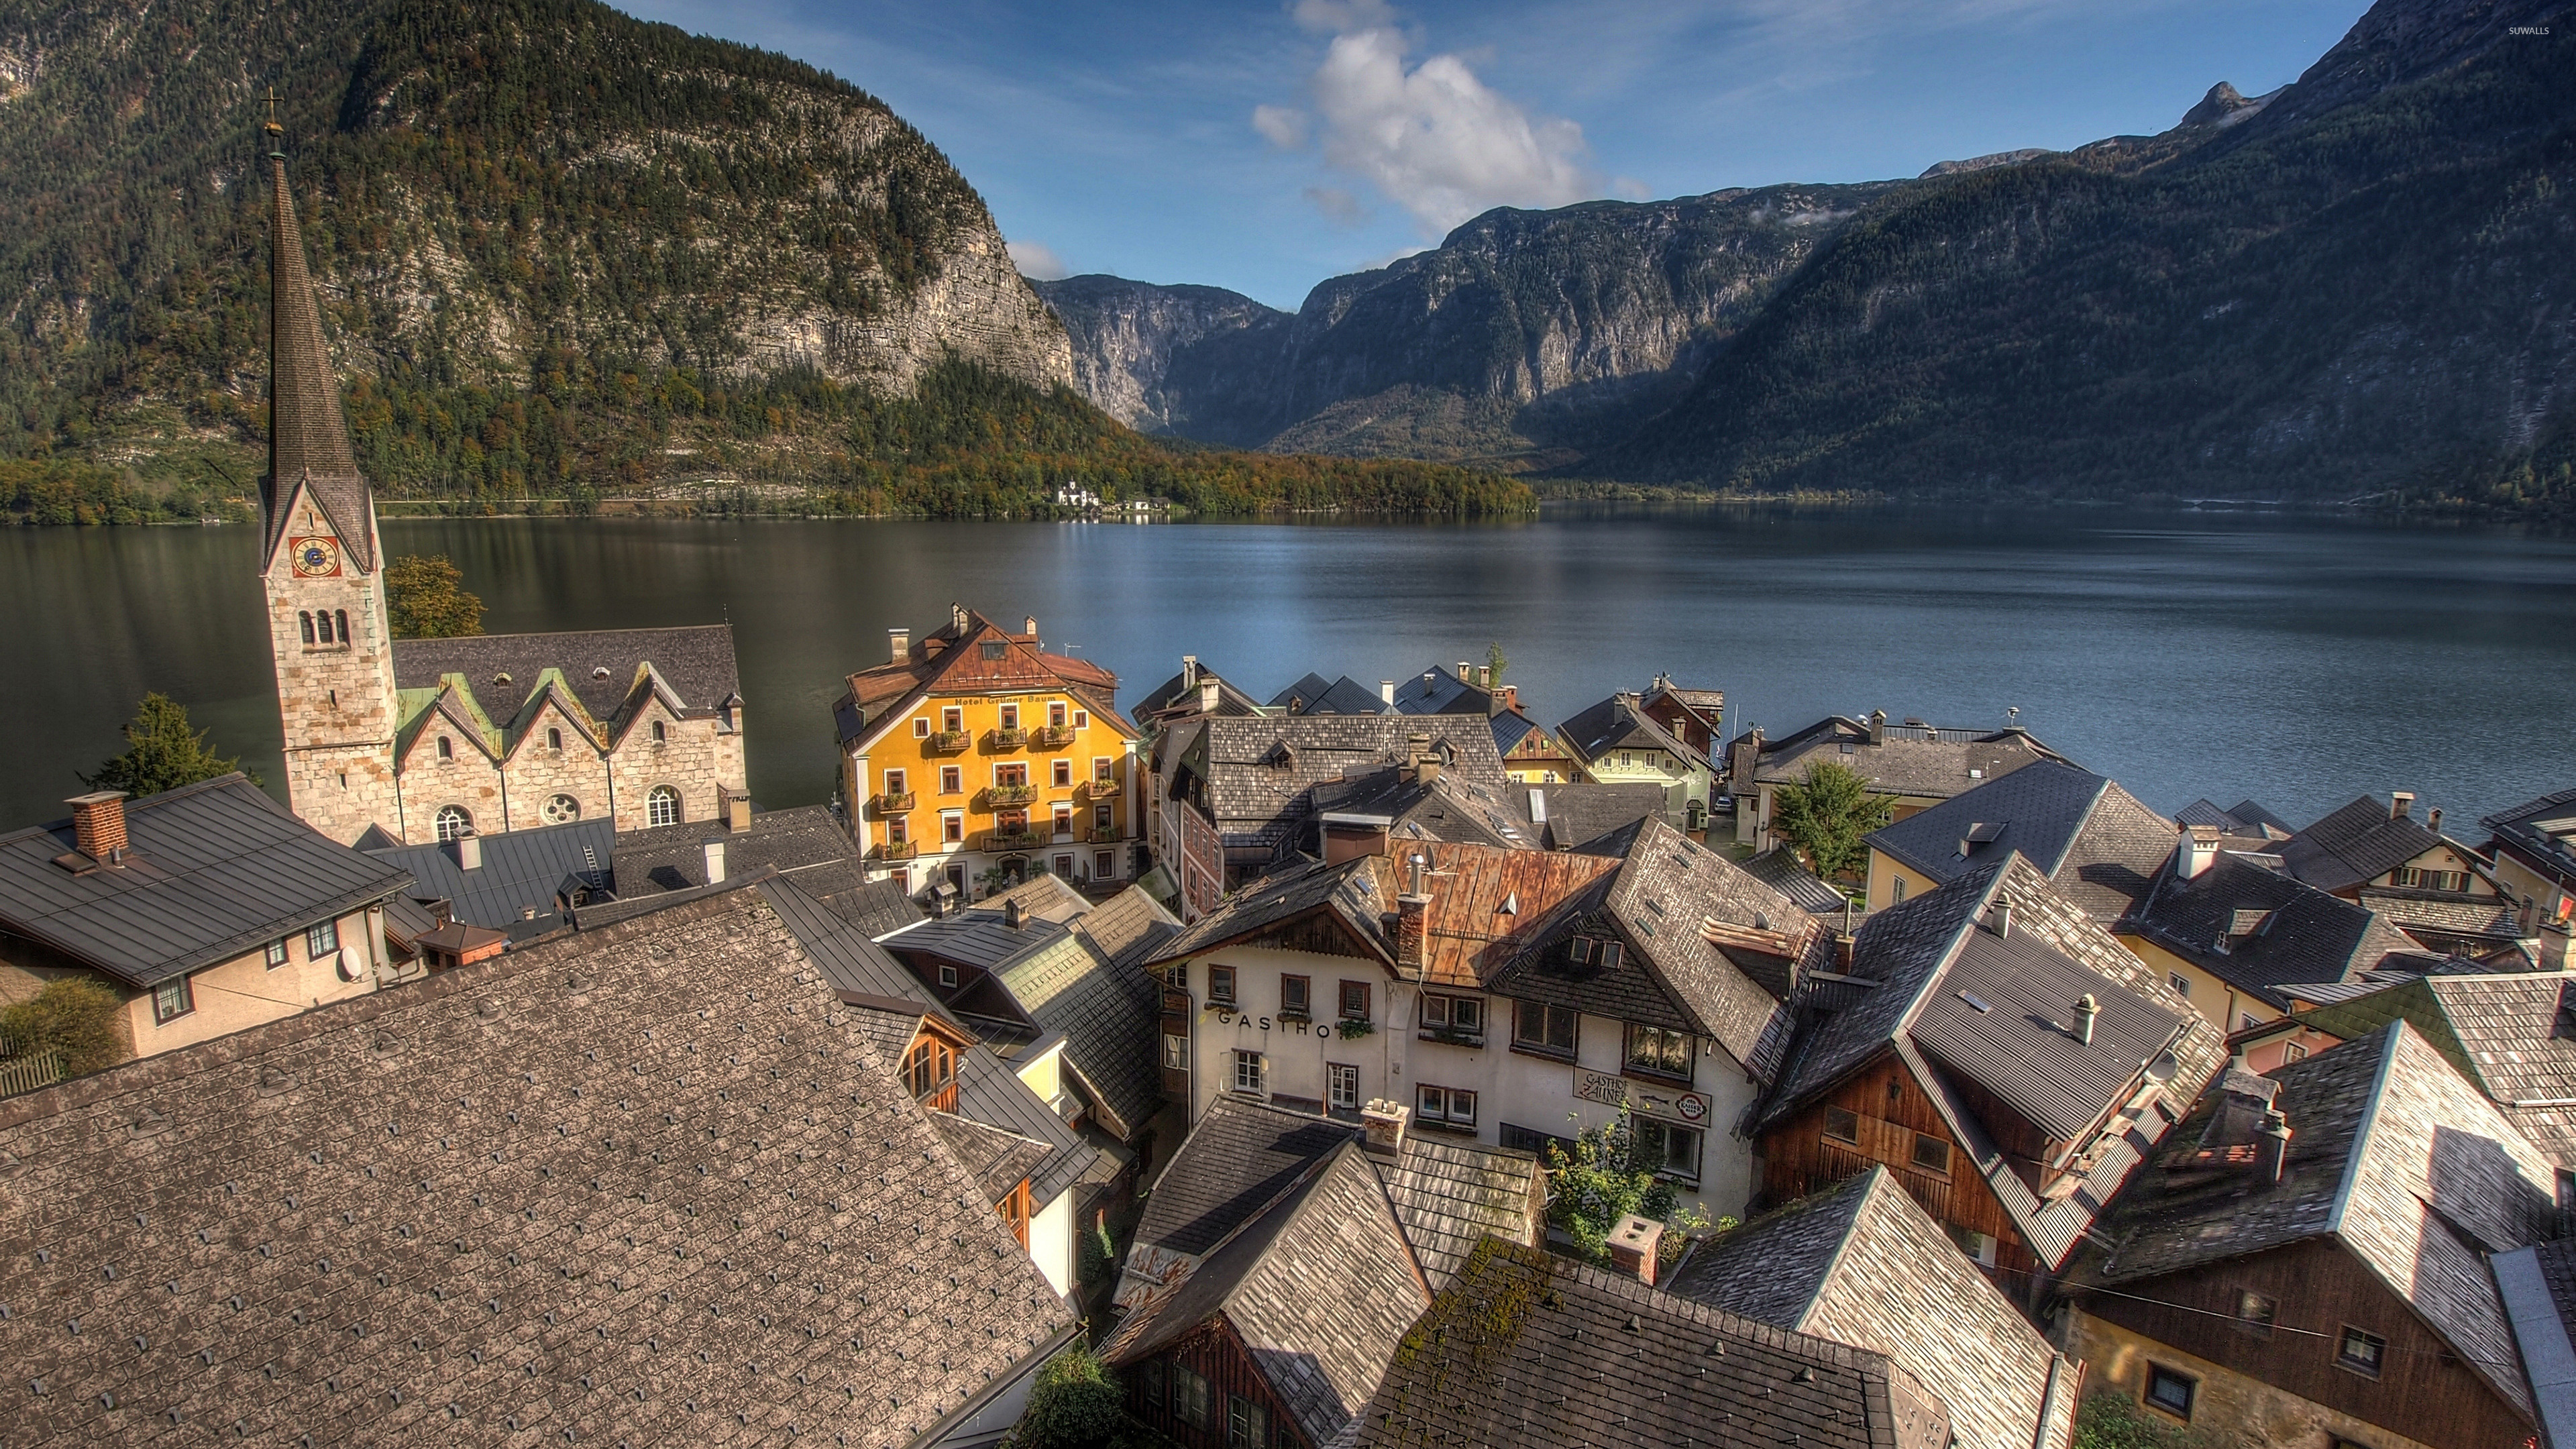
(308, 442)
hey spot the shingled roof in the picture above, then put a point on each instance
(521, 871)
(1923, 761)
(1526, 1350)
(1439, 690)
(1105, 1011)
(2262, 931)
(1313, 694)
(1862, 1264)
(1925, 953)
(2544, 830)
(1458, 807)
(308, 440)
(212, 870)
(643, 1181)
(2356, 844)
(1574, 815)
(2512, 1035)
(1621, 723)
(2100, 846)
(806, 844)
(1261, 773)
(970, 654)
(2393, 1155)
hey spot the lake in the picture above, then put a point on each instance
(2298, 660)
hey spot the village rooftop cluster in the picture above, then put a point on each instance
(525, 1082)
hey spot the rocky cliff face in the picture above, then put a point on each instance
(1192, 361)
(482, 184)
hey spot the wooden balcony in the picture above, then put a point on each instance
(895, 850)
(1002, 739)
(999, 796)
(1101, 789)
(947, 742)
(892, 804)
(1104, 835)
(1053, 737)
(1004, 841)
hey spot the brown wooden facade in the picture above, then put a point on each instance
(2423, 1390)
(1892, 1111)
(1216, 1353)
(1018, 1207)
(930, 1064)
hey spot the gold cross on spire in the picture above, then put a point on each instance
(272, 100)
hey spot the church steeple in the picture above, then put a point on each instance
(308, 441)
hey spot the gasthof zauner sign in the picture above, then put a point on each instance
(1610, 1091)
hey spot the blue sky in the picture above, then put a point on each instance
(1265, 146)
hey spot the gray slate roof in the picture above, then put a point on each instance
(1862, 1264)
(2357, 843)
(2261, 930)
(806, 845)
(1923, 761)
(1439, 690)
(2394, 1156)
(522, 869)
(2244, 818)
(2103, 849)
(696, 662)
(1530, 1351)
(1453, 807)
(1617, 723)
(2544, 828)
(1782, 871)
(1350, 890)
(2509, 1034)
(1312, 695)
(1575, 815)
(214, 870)
(549, 1110)
(1260, 771)
(1107, 1013)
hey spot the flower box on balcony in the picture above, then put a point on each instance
(1053, 737)
(1101, 789)
(1103, 835)
(1000, 840)
(946, 740)
(1012, 794)
(894, 804)
(896, 850)
(1007, 739)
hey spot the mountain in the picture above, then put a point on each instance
(1132, 338)
(2353, 284)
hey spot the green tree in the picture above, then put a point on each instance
(1826, 815)
(77, 1016)
(2110, 1419)
(1075, 1404)
(1603, 1180)
(423, 599)
(1495, 659)
(162, 753)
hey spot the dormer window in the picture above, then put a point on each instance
(994, 649)
(1583, 951)
(930, 1068)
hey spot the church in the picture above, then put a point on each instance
(406, 741)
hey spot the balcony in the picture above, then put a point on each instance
(893, 804)
(895, 850)
(1002, 795)
(1005, 739)
(1101, 789)
(1053, 737)
(1004, 841)
(946, 742)
(1104, 835)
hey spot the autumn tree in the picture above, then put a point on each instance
(162, 753)
(1826, 814)
(424, 599)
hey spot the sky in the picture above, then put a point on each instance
(1265, 146)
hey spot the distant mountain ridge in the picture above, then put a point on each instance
(2352, 284)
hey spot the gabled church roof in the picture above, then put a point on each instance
(308, 441)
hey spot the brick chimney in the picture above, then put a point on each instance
(1383, 1123)
(2199, 851)
(2401, 805)
(1413, 914)
(1633, 1246)
(898, 645)
(98, 825)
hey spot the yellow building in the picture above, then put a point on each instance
(975, 753)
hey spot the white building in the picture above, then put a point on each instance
(1506, 996)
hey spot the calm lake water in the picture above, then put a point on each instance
(2296, 660)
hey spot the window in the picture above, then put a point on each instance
(898, 830)
(1355, 1001)
(1064, 866)
(1448, 1106)
(1153, 1385)
(2293, 1052)
(1247, 1424)
(994, 649)
(2180, 983)
(1668, 1148)
(1544, 1028)
(322, 622)
(554, 741)
(2256, 1312)
(952, 827)
(947, 974)
(1104, 865)
(2432, 880)
(343, 616)
(921, 727)
(2247, 1021)
(560, 810)
(1931, 1153)
(1100, 768)
(930, 1066)
(894, 782)
(659, 733)
(1055, 714)
(1896, 890)
(952, 720)
(662, 806)
(1583, 950)
(1664, 1053)
(1842, 1125)
(1530, 1139)
(1341, 1087)
(1221, 984)
(1454, 1017)
(952, 780)
(1176, 1053)
(1979, 1247)
(1101, 818)
(446, 748)
(1189, 1397)
(1063, 775)
(277, 953)
(171, 1000)
(1247, 1072)
(1010, 716)
(1296, 995)
(2360, 1352)
(453, 822)
(2171, 1391)
(321, 939)
(1082, 719)
(1062, 816)
(1013, 776)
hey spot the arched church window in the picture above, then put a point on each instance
(306, 619)
(343, 617)
(322, 625)
(662, 806)
(554, 741)
(561, 810)
(453, 821)
(446, 748)
(658, 734)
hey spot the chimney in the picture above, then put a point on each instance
(2401, 805)
(98, 825)
(1428, 771)
(898, 645)
(1633, 1246)
(1484, 676)
(1843, 949)
(2087, 1012)
(1032, 630)
(1207, 696)
(737, 807)
(1013, 916)
(1466, 672)
(2271, 1146)
(2555, 935)
(957, 616)
(1383, 1123)
(2433, 820)
(1878, 727)
(1386, 692)
(469, 851)
(1189, 671)
(2001, 917)
(2199, 851)
(715, 862)
(1416, 745)
(1413, 915)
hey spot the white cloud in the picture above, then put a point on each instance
(1433, 138)
(1285, 126)
(1038, 261)
(1338, 206)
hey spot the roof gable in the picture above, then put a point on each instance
(2082, 830)
(2262, 930)
(609, 672)
(2358, 843)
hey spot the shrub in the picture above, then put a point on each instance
(77, 1016)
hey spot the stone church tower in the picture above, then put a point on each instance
(321, 564)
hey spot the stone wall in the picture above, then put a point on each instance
(336, 701)
(2229, 1406)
